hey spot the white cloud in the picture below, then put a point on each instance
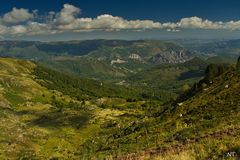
(18, 30)
(199, 23)
(17, 16)
(23, 22)
(35, 28)
(196, 22)
(232, 25)
(67, 14)
(107, 22)
(169, 25)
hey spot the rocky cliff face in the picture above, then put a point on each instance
(135, 57)
(173, 56)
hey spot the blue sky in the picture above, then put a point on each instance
(124, 19)
(159, 10)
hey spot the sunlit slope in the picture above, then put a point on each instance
(32, 124)
(205, 126)
(38, 123)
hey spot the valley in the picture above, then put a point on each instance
(108, 99)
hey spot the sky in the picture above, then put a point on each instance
(51, 20)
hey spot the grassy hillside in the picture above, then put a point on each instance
(206, 126)
(33, 122)
(49, 115)
(43, 123)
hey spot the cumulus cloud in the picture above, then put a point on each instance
(196, 22)
(107, 22)
(232, 25)
(19, 22)
(17, 16)
(67, 14)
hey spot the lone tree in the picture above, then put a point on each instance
(238, 64)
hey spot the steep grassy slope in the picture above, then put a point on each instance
(206, 126)
(32, 123)
(210, 121)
